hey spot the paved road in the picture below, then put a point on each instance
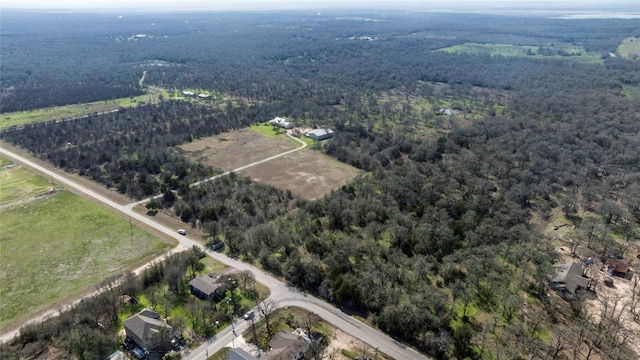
(281, 294)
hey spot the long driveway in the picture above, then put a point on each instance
(280, 293)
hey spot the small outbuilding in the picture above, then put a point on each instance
(569, 277)
(205, 287)
(617, 267)
(320, 134)
(204, 96)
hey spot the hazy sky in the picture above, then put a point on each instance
(159, 5)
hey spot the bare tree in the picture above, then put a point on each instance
(635, 295)
(559, 343)
(246, 277)
(266, 308)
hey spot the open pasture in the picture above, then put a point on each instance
(232, 150)
(307, 173)
(17, 182)
(58, 245)
(22, 118)
(629, 48)
(551, 51)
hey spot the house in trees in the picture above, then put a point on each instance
(569, 277)
(320, 134)
(188, 93)
(205, 287)
(281, 123)
(287, 346)
(149, 332)
(239, 354)
(204, 96)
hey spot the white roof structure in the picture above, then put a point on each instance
(281, 122)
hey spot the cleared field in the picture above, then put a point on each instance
(629, 48)
(229, 151)
(308, 174)
(20, 118)
(556, 51)
(17, 182)
(58, 245)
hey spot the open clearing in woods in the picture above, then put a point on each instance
(307, 173)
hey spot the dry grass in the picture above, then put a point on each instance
(307, 173)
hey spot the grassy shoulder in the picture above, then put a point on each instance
(16, 182)
(59, 245)
(22, 118)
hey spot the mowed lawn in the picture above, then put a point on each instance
(57, 245)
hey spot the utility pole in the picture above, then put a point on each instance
(131, 228)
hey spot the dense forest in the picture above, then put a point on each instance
(440, 243)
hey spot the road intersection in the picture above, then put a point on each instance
(280, 293)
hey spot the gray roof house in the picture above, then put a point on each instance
(320, 134)
(205, 287)
(239, 354)
(569, 277)
(287, 346)
(148, 331)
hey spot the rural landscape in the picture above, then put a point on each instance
(320, 184)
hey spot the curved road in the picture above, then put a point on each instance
(281, 294)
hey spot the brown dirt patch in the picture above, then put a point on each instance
(307, 173)
(621, 289)
(232, 150)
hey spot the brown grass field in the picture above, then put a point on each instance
(307, 173)
(232, 150)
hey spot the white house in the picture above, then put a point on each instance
(281, 122)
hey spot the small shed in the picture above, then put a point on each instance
(617, 267)
(320, 134)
